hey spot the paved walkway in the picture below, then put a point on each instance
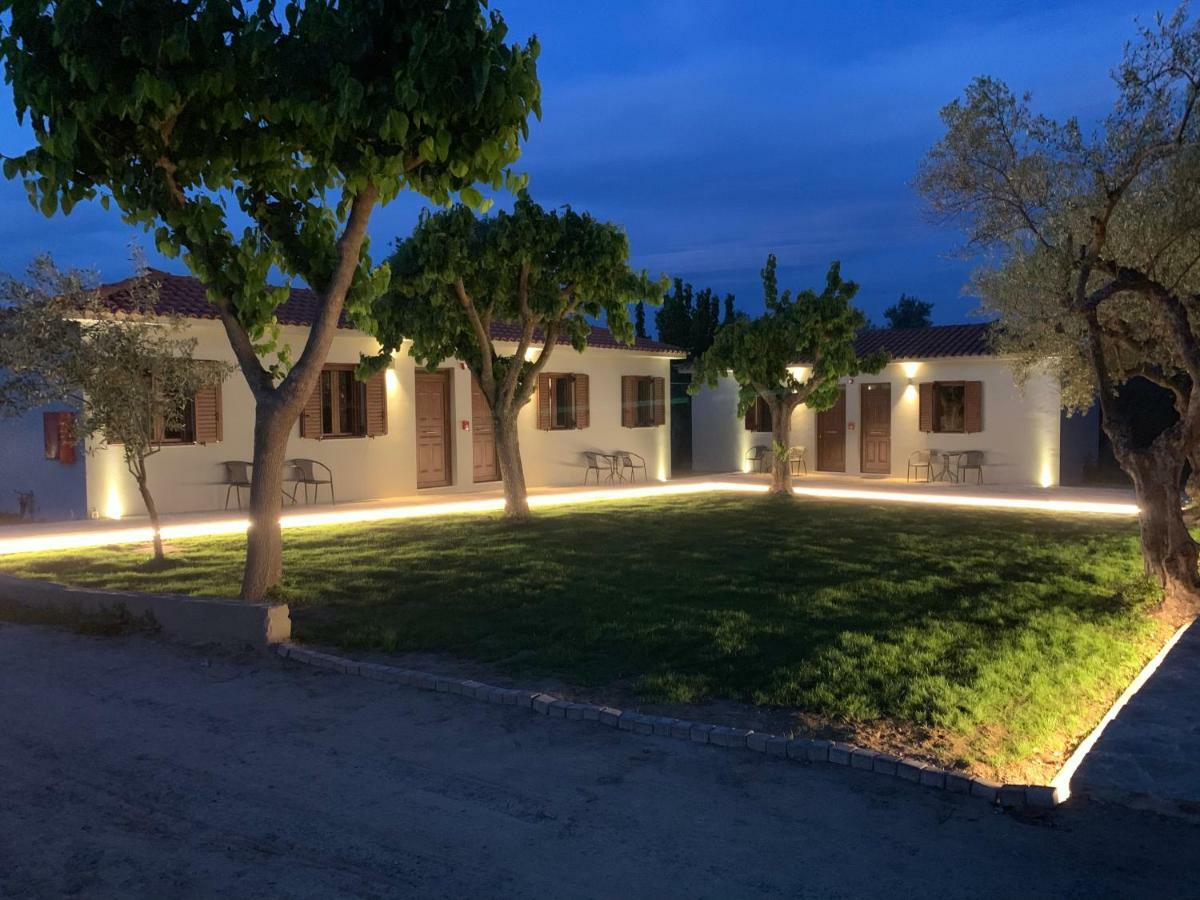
(1149, 755)
(132, 768)
(135, 529)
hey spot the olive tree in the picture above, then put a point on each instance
(260, 137)
(128, 374)
(794, 353)
(546, 272)
(1092, 242)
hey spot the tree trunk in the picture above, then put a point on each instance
(264, 540)
(508, 451)
(151, 510)
(781, 433)
(1168, 550)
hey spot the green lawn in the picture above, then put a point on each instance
(989, 639)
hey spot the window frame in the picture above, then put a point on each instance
(555, 406)
(936, 421)
(187, 433)
(358, 405)
(757, 413)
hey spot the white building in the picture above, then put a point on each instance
(407, 431)
(944, 389)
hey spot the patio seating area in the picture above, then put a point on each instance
(298, 474)
(945, 465)
(617, 467)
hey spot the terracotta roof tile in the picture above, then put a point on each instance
(932, 342)
(183, 295)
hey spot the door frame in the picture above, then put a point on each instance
(862, 431)
(821, 439)
(446, 376)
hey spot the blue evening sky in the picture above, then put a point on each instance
(717, 132)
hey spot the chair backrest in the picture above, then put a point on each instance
(796, 452)
(972, 458)
(627, 458)
(237, 471)
(593, 459)
(758, 451)
(305, 467)
(920, 457)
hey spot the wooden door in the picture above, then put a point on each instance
(483, 437)
(433, 429)
(875, 439)
(831, 436)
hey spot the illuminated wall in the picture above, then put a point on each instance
(187, 478)
(1020, 436)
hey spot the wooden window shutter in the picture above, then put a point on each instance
(66, 438)
(925, 407)
(583, 415)
(310, 416)
(58, 436)
(543, 402)
(628, 401)
(751, 418)
(376, 392)
(207, 405)
(972, 406)
(660, 401)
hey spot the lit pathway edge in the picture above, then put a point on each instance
(97, 537)
(802, 750)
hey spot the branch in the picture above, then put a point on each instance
(258, 378)
(483, 335)
(302, 378)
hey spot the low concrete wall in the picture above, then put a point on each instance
(194, 620)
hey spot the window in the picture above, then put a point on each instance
(951, 407)
(181, 432)
(644, 411)
(342, 404)
(758, 416)
(58, 433)
(643, 401)
(562, 402)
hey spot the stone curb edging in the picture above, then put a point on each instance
(799, 749)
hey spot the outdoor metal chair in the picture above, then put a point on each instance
(311, 473)
(759, 457)
(918, 460)
(237, 476)
(632, 463)
(796, 460)
(600, 463)
(971, 460)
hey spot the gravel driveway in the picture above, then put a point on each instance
(130, 767)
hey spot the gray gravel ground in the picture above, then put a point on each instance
(130, 767)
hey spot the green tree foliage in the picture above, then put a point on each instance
(1093, 248)
(548, 272)
(689, 319)
(253, 137)
(128, 377)
(639, 324)
(794, 353)
(909, 312)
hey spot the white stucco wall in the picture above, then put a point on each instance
(186, 478)
(58, 489)
(1020, 435)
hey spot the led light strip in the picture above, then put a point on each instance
(101, 538)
